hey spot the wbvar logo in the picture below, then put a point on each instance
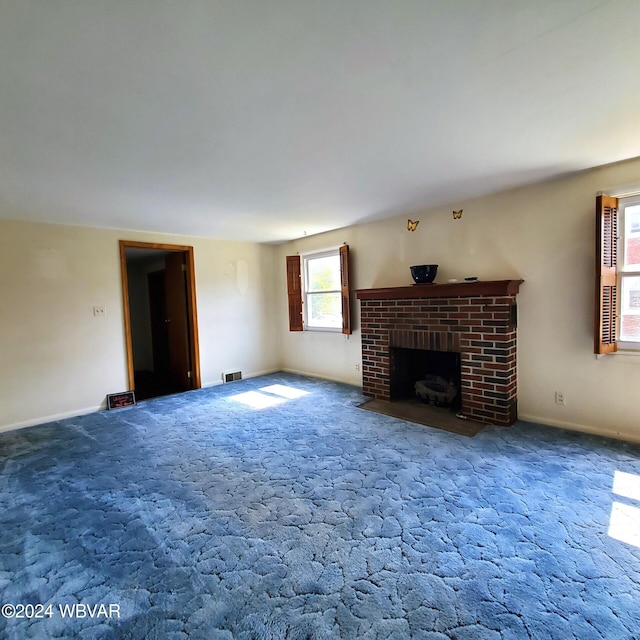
(79, 610)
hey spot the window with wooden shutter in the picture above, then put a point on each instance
(606, 304)
(294, 293)
(318, 291)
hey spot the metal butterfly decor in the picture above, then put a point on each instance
(411, 225)
(457, 214)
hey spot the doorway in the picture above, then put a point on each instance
(158, 288)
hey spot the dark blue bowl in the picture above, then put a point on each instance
(424, 273)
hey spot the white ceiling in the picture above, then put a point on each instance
(264, 120)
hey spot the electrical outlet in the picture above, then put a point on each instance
(357, 366)
(99, 311)
(560, 398)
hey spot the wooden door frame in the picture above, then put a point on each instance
(191, 304)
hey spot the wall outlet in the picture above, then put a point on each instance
(99, 311)
(357, 366)
(560, 398)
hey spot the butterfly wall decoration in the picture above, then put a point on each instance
(457, 214)
(411, 225)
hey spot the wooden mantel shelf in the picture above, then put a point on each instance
(449, 290)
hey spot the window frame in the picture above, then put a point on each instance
(623, 271)
(306, 292)
(294, 267)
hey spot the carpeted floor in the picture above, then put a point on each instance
(255, 511)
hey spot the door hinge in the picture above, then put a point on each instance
(188, 374)
(184, 266)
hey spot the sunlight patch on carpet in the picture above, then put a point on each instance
(626, 485)
(269, 396)
(624, 523)
(257, 400)
(285, 391)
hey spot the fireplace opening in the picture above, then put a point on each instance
(425, 376)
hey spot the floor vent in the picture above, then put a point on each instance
(232, 376)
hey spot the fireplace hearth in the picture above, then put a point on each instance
(474, 322)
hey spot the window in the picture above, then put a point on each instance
(322, 294)
(318, 291)
(629, 272)
(617, 311)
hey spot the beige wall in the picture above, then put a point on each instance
(543, 234)
(57, 359)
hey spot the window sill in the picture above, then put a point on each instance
(630, 355)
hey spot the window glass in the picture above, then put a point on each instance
(632, 238)
(630, 309)
(322, 293)
(324, 273)
(629, 273)
(325, 310)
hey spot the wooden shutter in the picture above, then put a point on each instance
(606, 305)
(344, 284)
(294, 293)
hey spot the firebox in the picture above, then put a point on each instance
(414, 372)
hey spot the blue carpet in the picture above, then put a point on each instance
(203, 516)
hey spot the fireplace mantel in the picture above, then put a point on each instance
(449, 290)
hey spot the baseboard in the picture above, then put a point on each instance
(321, 377)
(207, 385)
(572, 426)
(52, 418)
(245, 376)
(80, 412)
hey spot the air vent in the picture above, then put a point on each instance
(231, 376)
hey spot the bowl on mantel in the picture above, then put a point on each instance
(424, 273)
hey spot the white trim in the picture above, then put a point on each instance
(321, 377)
(333, 249)
(572, 426)
(306, 293)
(43, 420)
(624, 273)
(623, 205)
(255, 374)
(34, 422)
(628, 348)
(623, 191)
(213, 383)
(631, 355)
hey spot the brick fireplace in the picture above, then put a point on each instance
(478, 320)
